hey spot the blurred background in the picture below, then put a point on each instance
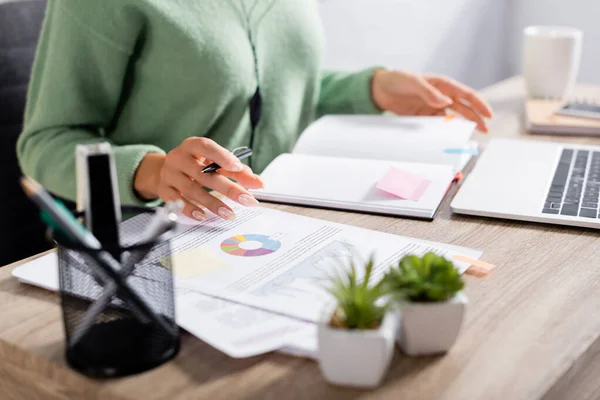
(475, 41)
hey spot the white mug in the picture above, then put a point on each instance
(551, 57)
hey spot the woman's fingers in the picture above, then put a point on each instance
(195, 194)
(204, 148)
(469, 114)
(246, 178)
(429, 94)
(219, 183)
(230, 189)
(192, 211)
(181, 177)
(468, 94)
(169, 193)
(192, 167)
(457, 90)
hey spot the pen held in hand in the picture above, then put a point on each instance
(241, 153)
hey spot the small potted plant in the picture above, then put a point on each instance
(356, 337)
(432, 306)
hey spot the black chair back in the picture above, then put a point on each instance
(22, 234)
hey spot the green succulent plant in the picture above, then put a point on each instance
(358, 305)
(430, 278)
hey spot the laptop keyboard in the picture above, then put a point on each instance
(576, 185)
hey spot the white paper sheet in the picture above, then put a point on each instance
(304, 345)
(285, 281)
(236, 330)
(291, 279)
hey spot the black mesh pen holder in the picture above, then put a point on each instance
(122, 322)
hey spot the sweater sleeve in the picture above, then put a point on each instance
(75, 89)
(346, 93)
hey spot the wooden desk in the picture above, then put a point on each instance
(532, 329)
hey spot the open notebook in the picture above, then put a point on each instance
(341, 161)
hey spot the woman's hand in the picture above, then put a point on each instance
(410, 94)
(178, 175)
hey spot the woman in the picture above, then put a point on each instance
(169, 85)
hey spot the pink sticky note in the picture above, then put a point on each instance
(403, 184)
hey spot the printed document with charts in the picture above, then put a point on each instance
(255, 284)
(339, 161)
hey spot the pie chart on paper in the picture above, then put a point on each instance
(250, 245)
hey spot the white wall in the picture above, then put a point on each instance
(582, 14)
(475, 41)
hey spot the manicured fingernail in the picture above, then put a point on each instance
(226, 213)
(179, 204)
(199, 215)
(445, 99)
(247, 200)
(262, 184)
(237, 167)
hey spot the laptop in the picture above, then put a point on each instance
(546, 182)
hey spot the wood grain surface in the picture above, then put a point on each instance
(532, 328)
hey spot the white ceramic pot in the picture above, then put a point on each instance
(358, 358)
(430, 328)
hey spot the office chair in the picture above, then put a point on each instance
(22, 234)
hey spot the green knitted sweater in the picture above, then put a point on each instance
(146, 74)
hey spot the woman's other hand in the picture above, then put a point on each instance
(404, 93)
(178, 175)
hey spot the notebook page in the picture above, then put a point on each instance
(408, 139)
(350, 184)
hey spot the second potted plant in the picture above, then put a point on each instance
(356, 337)
(431, 303)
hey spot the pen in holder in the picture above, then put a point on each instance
(119, 316)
